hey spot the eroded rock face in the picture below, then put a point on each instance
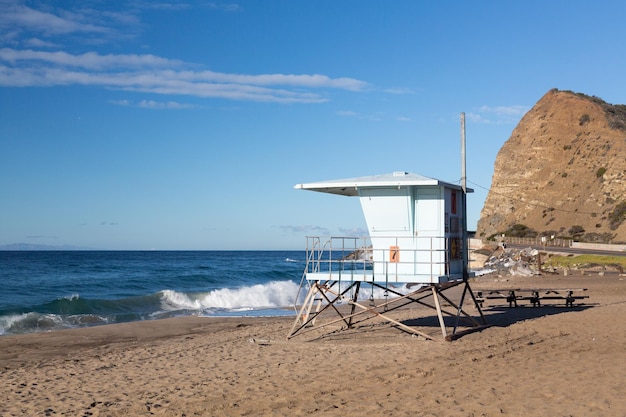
(563, 167)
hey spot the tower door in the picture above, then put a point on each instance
(428, 214)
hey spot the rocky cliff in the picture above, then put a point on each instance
(562, 172)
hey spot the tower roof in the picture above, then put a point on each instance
(350, 186)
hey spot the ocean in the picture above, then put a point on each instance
(50, 290)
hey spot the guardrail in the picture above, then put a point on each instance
(398, 259)
(538, 241)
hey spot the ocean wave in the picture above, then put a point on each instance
(76, 311)
(51, 290)
(273, 298)
(274, 294)
(77, 305)
(294, 260)
(33, 322)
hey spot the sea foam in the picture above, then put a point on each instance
(274, 294)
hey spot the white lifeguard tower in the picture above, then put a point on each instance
(417, 236)
(414, 223)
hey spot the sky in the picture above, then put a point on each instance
(140, 125)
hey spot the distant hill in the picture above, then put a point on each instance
(30, 246)
(562, 172)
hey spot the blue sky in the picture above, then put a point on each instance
(185, 125)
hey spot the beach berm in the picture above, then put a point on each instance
(549, 360)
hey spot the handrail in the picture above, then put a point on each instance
(357, 253)
(309, 259)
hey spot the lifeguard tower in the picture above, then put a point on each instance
(416, 250)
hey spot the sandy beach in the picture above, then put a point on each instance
(545, 361)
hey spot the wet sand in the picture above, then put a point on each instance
(546, 361)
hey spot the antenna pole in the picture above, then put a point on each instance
(463, 163)
(464, 245)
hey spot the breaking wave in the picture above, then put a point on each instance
(270, 299)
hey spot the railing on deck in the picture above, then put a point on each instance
(347, 257)
(350, 256)
(338, 253)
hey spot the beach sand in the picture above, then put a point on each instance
(546, 361)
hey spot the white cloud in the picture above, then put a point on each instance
(26, 18)
(304, 80)
(475, 117)
(374, 117)
(38, 43)
(107, 223)
(399, 90)
(355, 232)
(498, 114)
(32, 66)
(175, 6)
(153, 74)
(226, 7)
(88, 60)
(505, 110)
(305, 229)
(124, 103)
(151, 104)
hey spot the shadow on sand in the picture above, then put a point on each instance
(499, 316)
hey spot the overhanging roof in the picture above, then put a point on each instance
(350, 186)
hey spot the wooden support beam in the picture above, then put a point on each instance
(326, 291)
(442, 324)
